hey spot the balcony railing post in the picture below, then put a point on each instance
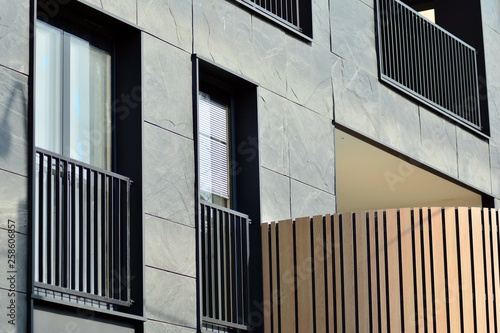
(82, 225)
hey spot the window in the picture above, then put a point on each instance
(87, 136)
(294, 14)
(214, 148)
(73, 98)
(228, 187)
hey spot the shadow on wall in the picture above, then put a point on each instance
(6, 130)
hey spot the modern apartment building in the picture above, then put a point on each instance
(144, 144)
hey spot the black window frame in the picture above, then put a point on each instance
(245, 197)
(126, 98)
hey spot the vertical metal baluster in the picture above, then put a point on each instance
(49, 248)
(72, 255)
(246, 275)
(58, 220)
(90, 234)
(41, 212)
(82, 241)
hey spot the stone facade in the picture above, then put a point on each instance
(305, 89)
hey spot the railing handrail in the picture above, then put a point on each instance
(225, 209)
(82, 164)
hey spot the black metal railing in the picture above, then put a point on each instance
(224, 259)
(287, 11)
(428, 62)
(81, 230)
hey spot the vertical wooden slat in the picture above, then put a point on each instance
(329, 271)
(361, 262)
(466, 271)
(478, 270)
(349, 276)
(266, 277)
(304, 277)
(419, 272)
(320, 296)
(453, 295)
(337, 274)
(428, 278)
(374, 276)
(440, 303)
(287, 276)
(383, 310)
(496, 270)
(393, 270)
(407, 270)
(489, 276)
(275, 276)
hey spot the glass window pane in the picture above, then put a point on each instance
(89, 104)
(48, 99)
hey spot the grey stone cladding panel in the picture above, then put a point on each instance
(21, 311)
(269, 51)
(168, 175)
(170, 298)
(321, 22)
(21, 261)
(223, 34)
(275, 196)
(439, 142)
(13, 121)
(495, 168)
(14, 201)
(273, 131)
(309, 81)
(309, 201)
(170, 20)
(491, 16)
(473, 160)
(159, 327)
(311, 144)
(167, 86)
(124, 9)
(492, 50)
(14, 35)
(366, 106)
(170, 246)
(353, 34)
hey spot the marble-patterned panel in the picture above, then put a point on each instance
(273, 131)
(167, 86)
(159, 327)
(275, 196)
(269, 51)
(309, 81)
(15, 35)
(170, 20)
(495, 168)
(13, 122)
(223, 34)
(168, 175)
(170, 298)
(309, 201)
(170, 246)
(14, 201)
(353, 33)
(311, 145)
(473, 160)
(439, 142)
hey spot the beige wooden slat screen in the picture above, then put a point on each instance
(407, 270)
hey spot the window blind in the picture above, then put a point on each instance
(213, 147)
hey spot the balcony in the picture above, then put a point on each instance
(81, 232)
(424, 60)
(223, 256)
(406, 270)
